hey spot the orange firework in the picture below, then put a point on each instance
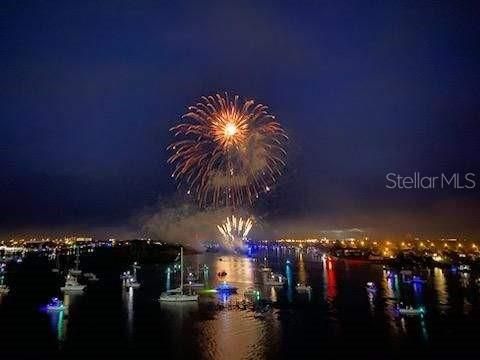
(228, 151)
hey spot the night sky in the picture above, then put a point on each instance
(89, 90)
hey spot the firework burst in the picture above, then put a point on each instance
(227, 152)
(234, 231)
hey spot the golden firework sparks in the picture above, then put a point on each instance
(235, 230)
(228, 151)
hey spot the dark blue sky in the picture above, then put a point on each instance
(89, 90)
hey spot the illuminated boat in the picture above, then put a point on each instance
(178, 297)
(91, 277)
(226, 288)
(55, 305)
(130, 281)
(72, 285)
(4, 289)
(275, 280)
(76, 271)
(303, 288)
(166, 297)
(371, 287)
(411, 311)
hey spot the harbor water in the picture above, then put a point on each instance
(338, 318)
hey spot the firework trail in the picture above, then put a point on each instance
(235, 230)
(227, 152)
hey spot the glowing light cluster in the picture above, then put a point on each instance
(234, 230)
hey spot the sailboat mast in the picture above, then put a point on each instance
(181, 270)
(77, 260)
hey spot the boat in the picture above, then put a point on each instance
(56, 269)
(275, 280)
(178, 297)
(55, 305)
(131, 283)
(168, 297)
(76, 271)
(91, 277)
(174, 291)
(130, 280)
(371, 287)
(4, 289)
(265, 267)
(226, 288)
(303, 288)
(72, 285)
(411, 311)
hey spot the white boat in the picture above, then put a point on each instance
(275, 280)
(72, 285)
(91, 277)
(411, 311)
(303, 288)
(178, 297)
(4, 289)
(371, 287)
(76, 271)
(175, 297)
(130, 281)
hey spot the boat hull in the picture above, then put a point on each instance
(73, 288)
(178, 298)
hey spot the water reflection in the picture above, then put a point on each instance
(440, 285)
(127, 295)
(390, 286)
(290, 285)
(59, 320)
(330, 280)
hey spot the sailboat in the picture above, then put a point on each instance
(177, 295)
(77, 270)
(56, 269)
(4, 289)
(71, 284)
